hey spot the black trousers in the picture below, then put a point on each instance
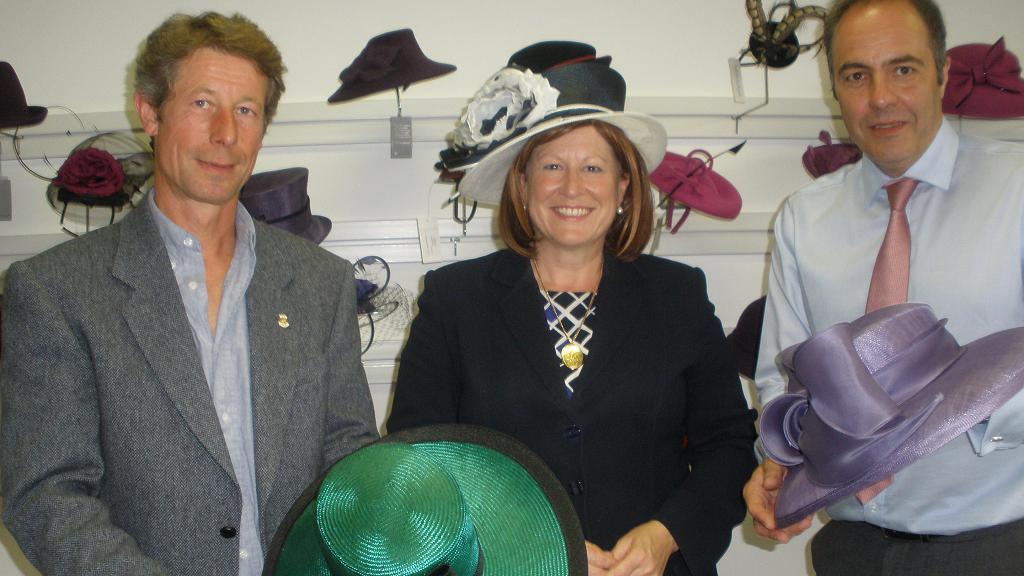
(861, 549)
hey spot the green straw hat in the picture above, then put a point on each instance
(434, 501)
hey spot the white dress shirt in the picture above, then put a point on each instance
(966, 219)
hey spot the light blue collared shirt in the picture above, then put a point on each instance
(966, 219)
(225, 357)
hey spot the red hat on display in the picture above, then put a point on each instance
(830, 156)
(690, 181)
(984, 82)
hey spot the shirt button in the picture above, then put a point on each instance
(228, 532)
(225, 418)
(243, 554)
(192, 284)
(996, 438)
(173, 265)
(188, 241)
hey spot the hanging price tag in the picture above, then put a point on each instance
(401, 137)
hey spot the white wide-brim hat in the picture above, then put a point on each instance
(485, 181)
(561, 86)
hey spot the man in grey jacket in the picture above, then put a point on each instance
(173, 382)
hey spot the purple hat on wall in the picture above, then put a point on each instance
(690, 181)
(914, 388)
(279, 198)
(13, 109)
(390, 60)
(984, 82)
(830, 156)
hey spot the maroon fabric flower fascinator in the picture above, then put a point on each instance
(830, 156)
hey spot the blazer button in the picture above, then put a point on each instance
(228, 532)
(576, 488)
(572, 431)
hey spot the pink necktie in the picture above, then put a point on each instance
(891, 275)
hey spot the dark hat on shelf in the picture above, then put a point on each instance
(390, 60)
(14, 111)
(279, 198)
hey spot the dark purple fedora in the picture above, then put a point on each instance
(13, 109)
(869, 397)
(830, 156)
(984, 82)
(388, 61)
(543, 56)
(279, 198)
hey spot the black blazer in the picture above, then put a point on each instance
(658, 427)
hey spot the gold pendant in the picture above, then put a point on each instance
(572, 355)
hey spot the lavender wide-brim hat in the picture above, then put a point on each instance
(869, 397)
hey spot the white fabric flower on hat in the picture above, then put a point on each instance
(511, 99)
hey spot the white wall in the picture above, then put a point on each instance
(672, 53)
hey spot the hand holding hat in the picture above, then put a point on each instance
(447, 499)
(914, 388)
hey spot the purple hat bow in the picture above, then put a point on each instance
(835, 374)
(999, 69)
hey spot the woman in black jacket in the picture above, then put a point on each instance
(608, 363)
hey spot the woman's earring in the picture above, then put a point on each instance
(619, 210)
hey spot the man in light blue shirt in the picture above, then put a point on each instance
(173, 382)
(887, 60)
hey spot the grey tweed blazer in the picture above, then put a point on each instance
(113, 459)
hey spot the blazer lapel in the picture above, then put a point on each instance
(271, 348)
(521, 307)
(616, 311)
(156, 316)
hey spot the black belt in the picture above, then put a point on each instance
(910, 536)
(961, 537)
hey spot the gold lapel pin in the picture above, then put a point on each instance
(282, 320)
